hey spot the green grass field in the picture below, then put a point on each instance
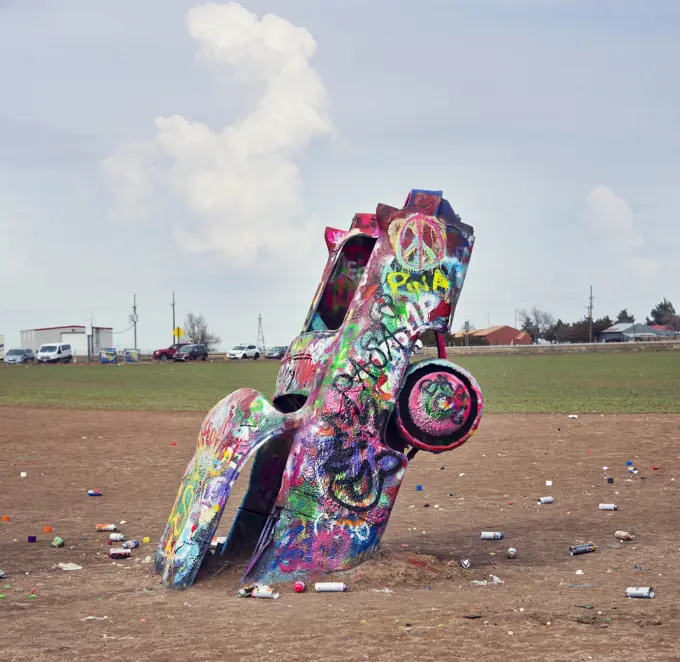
(613, 382)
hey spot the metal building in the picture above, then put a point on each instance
(75, 335)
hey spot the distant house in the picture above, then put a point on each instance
(627, 331)
(501, 335)
(666, 331)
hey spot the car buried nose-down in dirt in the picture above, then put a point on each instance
(350, 409)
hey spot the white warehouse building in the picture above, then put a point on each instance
(75, 335)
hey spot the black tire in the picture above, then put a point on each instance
(257, 356)
(163, 357)
(205, 357)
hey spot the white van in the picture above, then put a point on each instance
(55, 353)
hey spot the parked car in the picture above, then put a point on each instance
(191, 353)
(169, 352)
(243, 351)
(55, 353)
(19, 356)
(276, 352)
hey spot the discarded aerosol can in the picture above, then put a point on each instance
(582, 549)
(608, 506)
(492, 535)
(610, 481)
(32, 538)
(119, 553)
(640, 592)
(299, 586)
(264, 592)
(465, 563)
(105, 528)
(117, 537)
(330, 587)
(543, 500)
(624, 535)
(130, 544)
(57, 542)
(245, 591)
(633, 470)
(94, 493)
(512, 553)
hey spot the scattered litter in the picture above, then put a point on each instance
(512, 553)
(585, 606)
(461, 475)
(32, 538)
(579, 585)
(640, 592)
(123, 521)
(484, 582)
(574, 550)
(94, 618)
(147, 559)
(116, 537)
(146, 539)
(653, 468)
(6, 518)
(47, 529)
(492, 535)
(383, 590)
(637, 567)
(264, 592)
(605, 468)
(419, 488)
(57, 542)
(68, 566)
(94, 493)
(608, 506)
(548, 483)
(299, 586)
(471, 617)
(610, 481)
(119, 553)
(624, 535)
(426, 505)
(573, 416)
(23, 474)
(541, 501)
(105, 528)
(3, 574)
(130, 544)
(579, 572)
(330, 587)
(465, 563)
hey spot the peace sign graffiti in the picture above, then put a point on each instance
(421, 243)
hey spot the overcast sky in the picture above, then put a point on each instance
(159, 145)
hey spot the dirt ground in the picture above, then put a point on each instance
(543, 610)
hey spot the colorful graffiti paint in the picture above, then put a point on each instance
(108, 355)
(349, 412)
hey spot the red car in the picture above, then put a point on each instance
(169, 352)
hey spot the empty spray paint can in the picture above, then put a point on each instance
(32, 538)
(330, 587)
(610, 481)
(102, 528)
(624, 535)
(512, 553)
(57, 542)
(608, 506)
(491, 535)
(299, 586)
(640, 592)
(581, 549)
(117, 537)
(130, 544)
(119, 553)
(465, 563)
(264, 592)
(245, 591)
(543, 500)
(94, 493)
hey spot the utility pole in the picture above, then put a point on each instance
(134, 316)
(590, 315)
(260, 334)
(173, 319)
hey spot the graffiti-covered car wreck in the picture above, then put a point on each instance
(349, 412)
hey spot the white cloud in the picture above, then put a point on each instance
(613, 222)
(241, 184)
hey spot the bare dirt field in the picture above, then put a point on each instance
(543, 610)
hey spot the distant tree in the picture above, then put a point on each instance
(196, 332)
(557, 332)
(625, 316)
(662, 313)
(600, 325)
(536, 322)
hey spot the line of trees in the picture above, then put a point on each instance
(541, 325)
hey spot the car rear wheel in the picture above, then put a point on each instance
(257, 356)
(163, 357)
